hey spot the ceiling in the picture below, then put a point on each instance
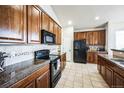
(83, 16)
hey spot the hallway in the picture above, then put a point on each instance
(77, 75)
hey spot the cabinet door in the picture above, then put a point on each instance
(101, 37)
(56, 32)
(90, 38)
(118, 81)
(12, 24)
(95, 38)
(109, 76)
(51, 24)
(102, 67)
(43, 80)
(59, 36)
(75, 36)
(45, 22)
(90, 57)
(34, 24)
(30, 85)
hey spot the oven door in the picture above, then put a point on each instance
(55, 67)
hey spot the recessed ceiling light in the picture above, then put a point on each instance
(97, 18)
(69, 22)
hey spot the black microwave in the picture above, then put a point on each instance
(47, 37)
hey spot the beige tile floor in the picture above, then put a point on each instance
(76, 75)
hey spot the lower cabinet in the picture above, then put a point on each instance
(92, 57)
(30, 85)
(109, 76)
(112, 74)
(118, 81)
(63, 61)
(43, 80)
(38, 79)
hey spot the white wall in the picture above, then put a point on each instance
(67, 41)
(111, 29)
(19, 53)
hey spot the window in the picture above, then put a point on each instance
(119, 39)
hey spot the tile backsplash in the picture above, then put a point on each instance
(21, 53)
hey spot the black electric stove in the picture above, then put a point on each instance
(55, 69)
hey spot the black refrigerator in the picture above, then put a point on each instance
(80, 51)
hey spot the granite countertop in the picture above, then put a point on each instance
(110, 58)
(18, 71)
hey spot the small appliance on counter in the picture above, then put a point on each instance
(55, 70)
(100, 49)
(47, 37)
(2, 58)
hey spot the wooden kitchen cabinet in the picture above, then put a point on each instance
(91, 57)
(59, 36)
(95, 38)
(92, 37)
(45, 22)
(34, 24)
(112, 73)
(63, 61)
(43, 80)
(109, 76)
(30, 85)
(51, 25)
(102, 67)
(38, 79)
(57, 32)
(118, 81)
(75, 36)
(13, 24)
(101, 37)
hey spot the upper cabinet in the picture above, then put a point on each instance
(12, 24)
(59, 35)
(92, 37)
(23, 24)
(45, 22)
(57, 32)
(34, 24)
(101, 37)
(51, 25)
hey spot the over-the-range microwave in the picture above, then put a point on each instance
(47, 37)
